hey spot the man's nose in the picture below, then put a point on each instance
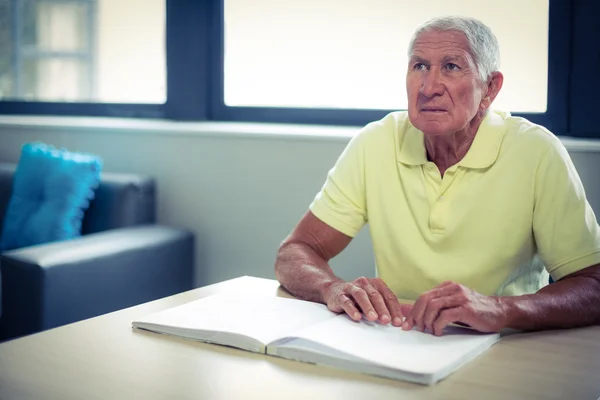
(432, 83)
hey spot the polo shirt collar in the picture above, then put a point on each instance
(483, 152)
(412, 150)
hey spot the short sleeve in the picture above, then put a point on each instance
(341, 203)
(565, 227)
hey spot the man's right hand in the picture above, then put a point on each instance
(370, 297)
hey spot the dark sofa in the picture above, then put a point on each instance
(123, 258)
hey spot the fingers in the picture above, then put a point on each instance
(391, 301)
(339, 299)
(374, 300)
(420, 308)
(362, 298)
(445, 318)
(384, 301)
(369, 297)
(349, 308)
(454, 303)
(406, 309)
(437, 305)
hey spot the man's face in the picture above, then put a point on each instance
(443, 86)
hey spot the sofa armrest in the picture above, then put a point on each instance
(58, 283)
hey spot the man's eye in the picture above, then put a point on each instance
(452, 67)
(419, 67)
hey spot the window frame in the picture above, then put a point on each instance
(555, 118)
(93, 109)
(22, 54)
(195, 78)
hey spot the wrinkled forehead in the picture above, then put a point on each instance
(451, 41)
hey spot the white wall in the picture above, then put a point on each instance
(241, 193)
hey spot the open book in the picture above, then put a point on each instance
(309, 332)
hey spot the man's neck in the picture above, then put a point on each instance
(447, 150)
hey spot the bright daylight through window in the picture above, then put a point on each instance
(83, 51)
(353, 53)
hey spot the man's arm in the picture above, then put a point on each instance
(302, 261)
(302, 268)
(571, 302)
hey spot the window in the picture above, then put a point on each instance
(353, 54)
(83, 51)
(52, 52)
(311, 61)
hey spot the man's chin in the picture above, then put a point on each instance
(433, 128)
(430, 124)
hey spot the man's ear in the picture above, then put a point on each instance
(493, 88)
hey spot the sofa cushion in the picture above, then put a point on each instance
(51, 189)
(121, 200)
(6, 182)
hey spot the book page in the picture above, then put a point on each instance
(262, 318)
(392, 347)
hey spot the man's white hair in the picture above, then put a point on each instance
(482, 42)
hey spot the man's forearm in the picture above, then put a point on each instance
(303, 272)
(568, 303)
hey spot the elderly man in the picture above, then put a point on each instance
(469, 208)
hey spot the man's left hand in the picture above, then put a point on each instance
(454, 303)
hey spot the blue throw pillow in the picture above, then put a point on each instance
(51, 190)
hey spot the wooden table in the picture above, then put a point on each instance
(104, 358)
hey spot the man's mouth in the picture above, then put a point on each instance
(433, 109)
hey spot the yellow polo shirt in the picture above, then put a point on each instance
(510, 210)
